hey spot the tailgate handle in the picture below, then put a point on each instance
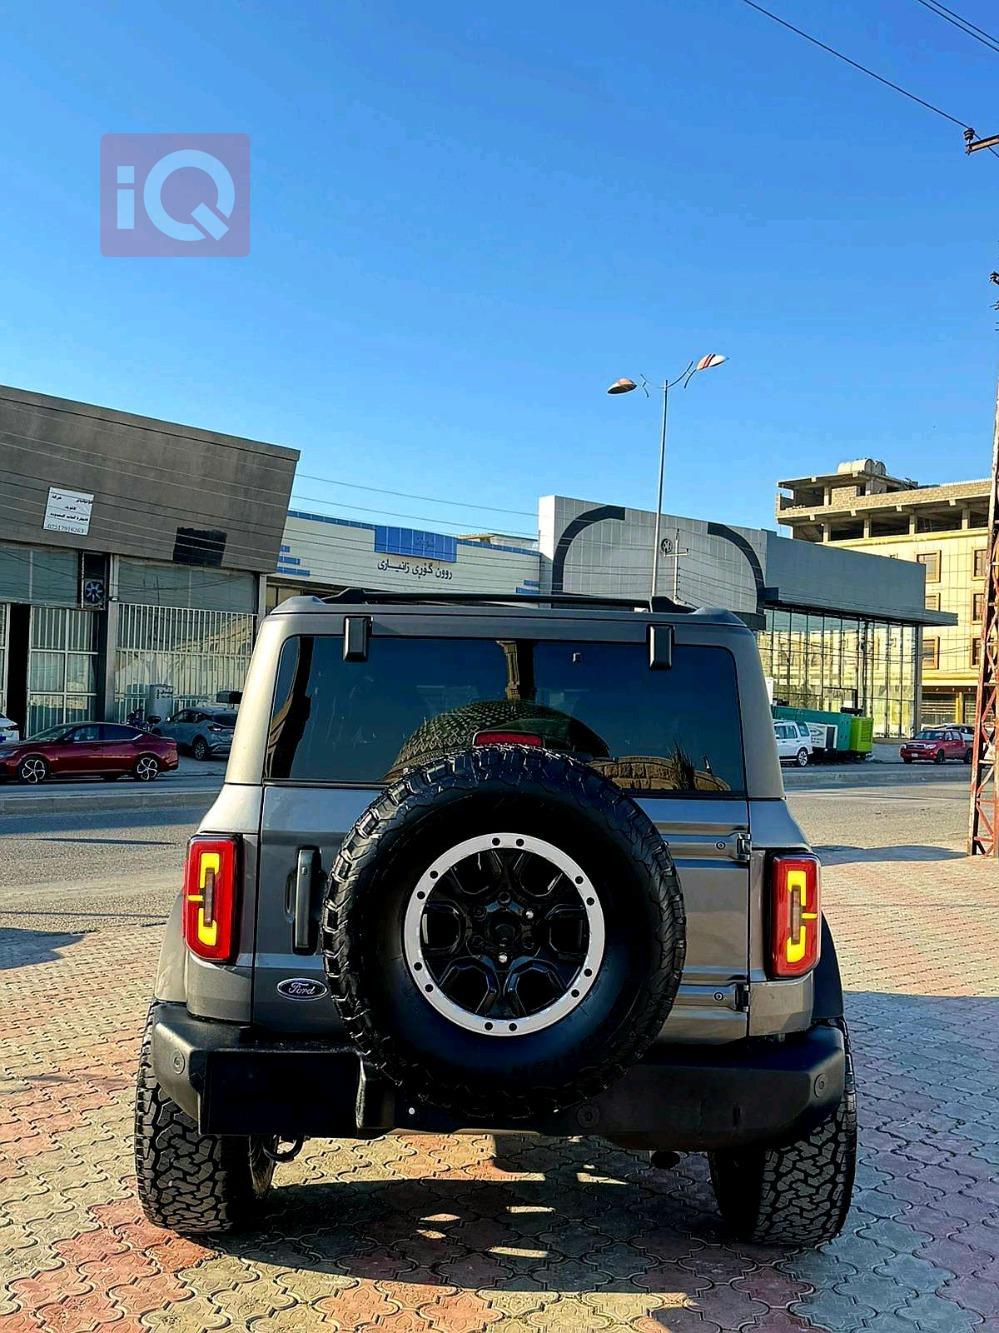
(302, 911)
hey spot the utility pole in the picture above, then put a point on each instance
(677, 552)
(983, 821)
(983, 824)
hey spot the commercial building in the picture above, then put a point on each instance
(944, 529)
(837, 629)
(323, 554)
(133, 553)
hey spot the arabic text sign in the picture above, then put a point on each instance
(416, 571)
(68, 511)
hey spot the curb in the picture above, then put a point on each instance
(86, 802)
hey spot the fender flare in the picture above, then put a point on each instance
(827, 994)
(171, 970)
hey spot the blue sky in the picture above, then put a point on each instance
(467, 221)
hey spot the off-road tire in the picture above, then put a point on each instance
(502, 1079)
(797, 1194)
(191, 1182)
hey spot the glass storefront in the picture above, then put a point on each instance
(62, 666)
(824, 661)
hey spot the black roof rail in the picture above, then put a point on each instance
(366, 596)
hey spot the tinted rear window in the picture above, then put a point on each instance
(365, 723)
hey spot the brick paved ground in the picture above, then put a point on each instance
(431, 1233)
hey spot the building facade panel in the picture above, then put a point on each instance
(938, 529)
(836, 629)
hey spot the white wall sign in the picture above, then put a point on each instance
(68, 511)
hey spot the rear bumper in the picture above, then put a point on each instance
(232, 1080)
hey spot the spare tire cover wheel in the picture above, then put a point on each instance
(503, 932)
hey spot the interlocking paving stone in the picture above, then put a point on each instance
(418, 1234)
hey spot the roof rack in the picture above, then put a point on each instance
(359, 596)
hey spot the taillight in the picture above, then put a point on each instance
(210, 898)
(505, 738)
(796, 915)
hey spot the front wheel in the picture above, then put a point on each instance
(200, 749)
(147, 768)
(798, 1194)
(32, 770)
(191, 1182)
(802, 758)
(940, 757)
(906, 759)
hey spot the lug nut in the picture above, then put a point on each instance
(529, 914)
(502, 957)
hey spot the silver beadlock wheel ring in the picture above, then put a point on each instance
(500, 925)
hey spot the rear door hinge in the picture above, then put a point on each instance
(742, 996)
(743, 846)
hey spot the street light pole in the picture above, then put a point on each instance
(659, 492)
(626, 386)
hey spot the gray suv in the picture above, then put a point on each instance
(205, 730)
(517, 868)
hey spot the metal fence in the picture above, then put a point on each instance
(197, 653)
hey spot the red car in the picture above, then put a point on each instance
(936, 745)
(84, 749)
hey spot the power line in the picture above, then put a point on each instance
(963, 124)
(962, 24)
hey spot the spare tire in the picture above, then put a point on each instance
(503, 933)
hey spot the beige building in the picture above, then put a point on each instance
(943, 528)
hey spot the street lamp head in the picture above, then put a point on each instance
(712, 359)
(622, 386)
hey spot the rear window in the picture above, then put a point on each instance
(223, 719)
(413, 700)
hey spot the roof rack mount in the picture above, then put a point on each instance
(361, 596)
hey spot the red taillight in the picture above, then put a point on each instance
(506, 738)
(210, 898)
(796, 915)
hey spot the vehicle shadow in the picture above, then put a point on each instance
(586, 1220)
(838, 854)
(23, 948)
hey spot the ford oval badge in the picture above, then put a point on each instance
(302, 988)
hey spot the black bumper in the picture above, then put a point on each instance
(232, 1080)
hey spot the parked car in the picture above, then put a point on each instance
(935, 745)
(502, 867)
(794, 742)
(9, 731)
(84, 749)
(204, 730)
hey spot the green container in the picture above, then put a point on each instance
(834, 733)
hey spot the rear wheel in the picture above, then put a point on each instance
(967, 755)
(191, 1182)
(146, 769)
(200, 748)
(797, 1194)
(32, 770)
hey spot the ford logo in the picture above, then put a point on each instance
(302, 988)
